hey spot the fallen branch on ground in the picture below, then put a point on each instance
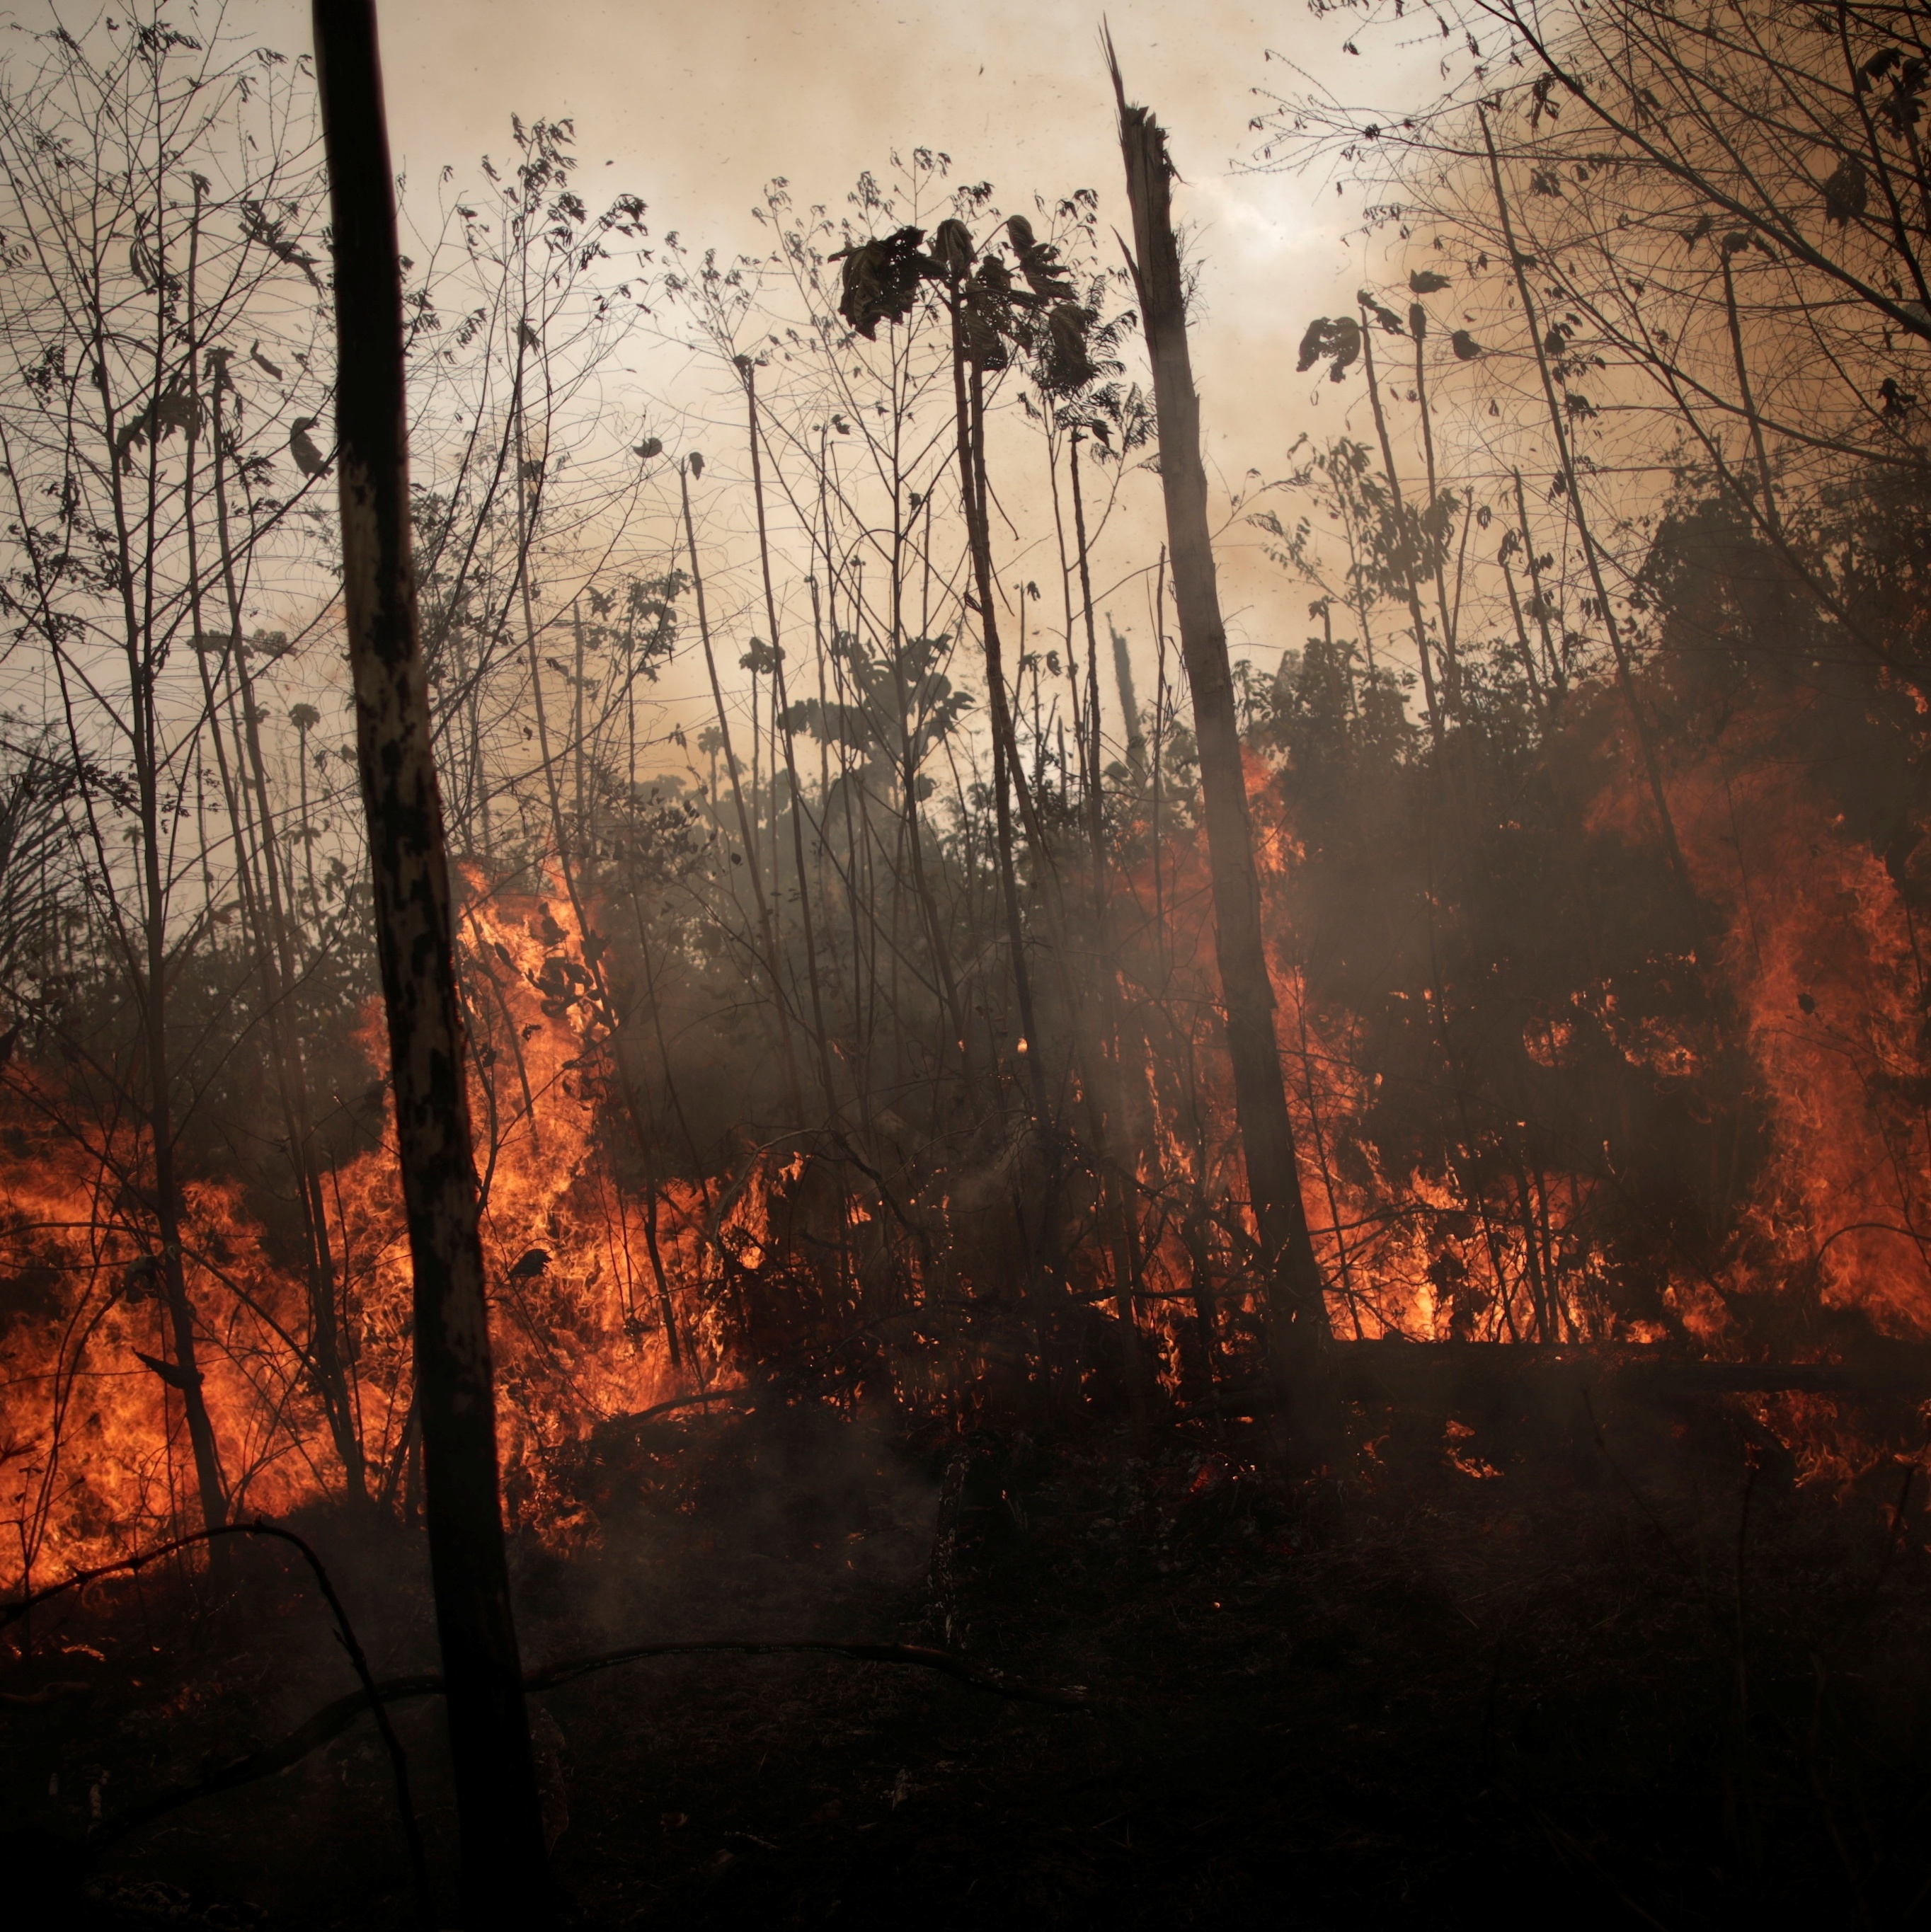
(335, 1718)
(369, 1697)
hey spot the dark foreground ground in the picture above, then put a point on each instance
(1535, 1674)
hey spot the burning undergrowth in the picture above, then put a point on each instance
(1639, 1117)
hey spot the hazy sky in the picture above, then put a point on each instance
(697, 105)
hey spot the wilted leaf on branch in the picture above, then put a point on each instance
(1066, 365)
(985, 314)
(1846, 191)
(881, 279)
(1039, 262)
(1391, 322)
(308, 459)
(952, 248)
(175, 408)
(1338, 338)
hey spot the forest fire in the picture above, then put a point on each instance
(699, 1224)
(610, 1298)
(582, 1323)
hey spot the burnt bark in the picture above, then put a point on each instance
(504, 1875)
(1296, 1308)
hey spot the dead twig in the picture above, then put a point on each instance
(940, 1579)
(371, 1696)
(975, 1676)
(335, 1718)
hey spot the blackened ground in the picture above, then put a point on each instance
(1608, 1667)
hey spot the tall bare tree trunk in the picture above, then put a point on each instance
(505, 1881)
(1007, 775)
(152, 987)
(1396, 536)
(1297, 1317)
(279, 972)
(746, 832)
(780, 720)
(184, 1374)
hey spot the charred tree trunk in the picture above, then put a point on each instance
(504, 1877)
(1296, 1307)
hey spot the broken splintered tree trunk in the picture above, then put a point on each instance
(1296, 1307)
(504, 1878)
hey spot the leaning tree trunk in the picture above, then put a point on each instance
(504, 1878)
(1296, 1307)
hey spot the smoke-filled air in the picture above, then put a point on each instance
(1032, 1034)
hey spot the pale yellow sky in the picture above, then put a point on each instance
(699, 104)
(696, 105)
